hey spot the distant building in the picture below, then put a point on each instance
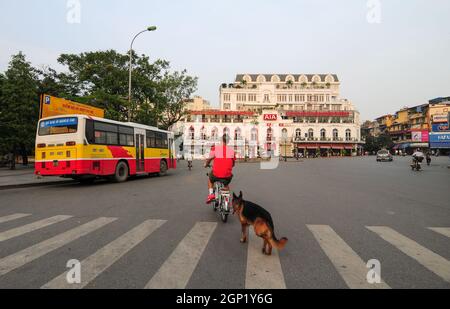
(197, 104)
(421, 126)
(280, 115)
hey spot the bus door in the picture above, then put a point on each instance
(140, 149)
(171, 154)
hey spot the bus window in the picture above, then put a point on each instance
(151, 139)
(65, 125)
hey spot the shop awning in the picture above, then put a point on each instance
(325, 147)
(349, 147)
(337, 147)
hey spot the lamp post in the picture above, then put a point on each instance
(151, 28)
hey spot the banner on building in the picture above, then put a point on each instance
(52, 106)
(420, 136)
(440, 140)
(440, 118)
(440, 127)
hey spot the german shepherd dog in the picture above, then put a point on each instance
(251, 214)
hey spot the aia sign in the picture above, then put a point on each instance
(270, 117)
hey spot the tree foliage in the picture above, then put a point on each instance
(19, 105)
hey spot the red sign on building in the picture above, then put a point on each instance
(270, 117)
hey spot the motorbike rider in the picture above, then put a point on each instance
(428, 157)
(417, 156)
(224, 161)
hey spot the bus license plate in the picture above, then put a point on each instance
(55, 163)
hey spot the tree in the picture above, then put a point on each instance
(101, 79)
(19, 106)
(172, 92)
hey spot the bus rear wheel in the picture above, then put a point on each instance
(121, 174)
(163, 168)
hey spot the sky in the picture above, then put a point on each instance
(387, 53)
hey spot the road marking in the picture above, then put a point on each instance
(441, 230)
(178, 268)
(432, 261)
(31, 227)
(98, 262)
(29, 254)
(263, 272)
(13, 217)
(346, 261)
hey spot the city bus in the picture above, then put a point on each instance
(84, 148)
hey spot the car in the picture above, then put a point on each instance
(384, 155)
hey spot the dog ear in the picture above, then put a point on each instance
(240, 195)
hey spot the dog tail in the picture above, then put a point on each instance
(279, 244)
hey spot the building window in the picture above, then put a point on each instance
(335, 135)
(348, 135)
(237, 134)
(298, 133)
(266, 98)
(310, 134)
(269, 135)
(282, 98)
(227, 97)
(215, 134)
(284, 133)
(192, 133)
(254, 135)
(226, 132)
(227, 106)
(252, 97)
(323, 134)
(241, 97)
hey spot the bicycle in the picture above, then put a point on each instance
(222, 202)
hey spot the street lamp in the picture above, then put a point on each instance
(151, 28)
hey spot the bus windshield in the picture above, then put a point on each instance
(64, 125)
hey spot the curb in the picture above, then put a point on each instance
(36, 184)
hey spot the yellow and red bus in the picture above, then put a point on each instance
(84, 148)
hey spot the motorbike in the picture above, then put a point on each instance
(190, 165)
(428, 160)
(416, 163)
(223, 201)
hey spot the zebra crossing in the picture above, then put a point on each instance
(262, 272)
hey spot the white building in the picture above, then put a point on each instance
(276, 114)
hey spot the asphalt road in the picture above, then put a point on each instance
(337, 213)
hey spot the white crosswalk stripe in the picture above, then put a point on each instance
(349, 265)
(95, 264)
(13, 217)
(432, 261)
(441, 230)
(29, 254)
(31, 227)
(263, 272)
(178, 268)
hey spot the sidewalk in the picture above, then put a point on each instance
(23, 176)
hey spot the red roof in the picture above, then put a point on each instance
(318, 114)
(222, 113)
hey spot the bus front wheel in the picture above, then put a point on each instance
(121, 174)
